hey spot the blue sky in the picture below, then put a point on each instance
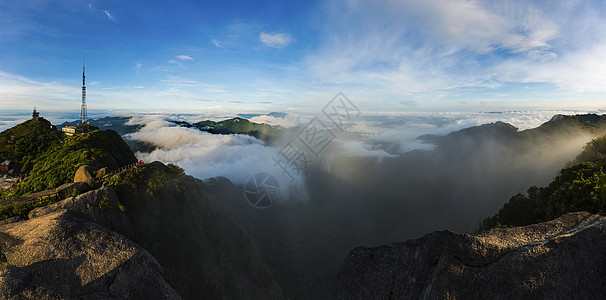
(294, 56)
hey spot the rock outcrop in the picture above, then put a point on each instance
(64, 255)
(101, 205)
(69, 189)
(560, 259)
(85, 173)
(204, 252)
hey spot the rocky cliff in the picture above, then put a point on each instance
(62, 252)
(204, 252)
(137, 232)
(560, 259)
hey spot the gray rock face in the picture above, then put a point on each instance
(69, 189)
(63, 255)
(101, 205)
(560, 259)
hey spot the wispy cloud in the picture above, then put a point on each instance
(409, 103)
(27, 93)
(429, 47)
(276, 40)
(217, 44)
(583, 71)
(180, 81)
(184, 57)
(109, 15)
(129, 87)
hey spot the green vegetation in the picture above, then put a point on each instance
(24, 142)
(22, 209)
(595, 151)
(104, 204)
(238, 125)
(202, 250)
(579, 187)
(51, 158)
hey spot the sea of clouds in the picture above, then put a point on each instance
(369, 135)
(374, 135)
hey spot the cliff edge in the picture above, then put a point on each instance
(62, 252)
(563, 258)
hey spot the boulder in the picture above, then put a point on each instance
(69, 189)
(560, 259)
(84, 173)
(64, 255)
(100, 205)
(102, 172)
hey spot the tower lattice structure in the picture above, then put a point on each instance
(83, 107)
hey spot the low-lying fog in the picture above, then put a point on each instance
(373, 153)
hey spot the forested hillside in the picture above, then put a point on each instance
(579, 187)
(50, 158)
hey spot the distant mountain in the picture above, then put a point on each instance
(271, 114)
(559, 125)
(117, 124)
(497, 129)
(236, 125)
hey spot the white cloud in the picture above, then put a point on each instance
(374, 135)
(402, 129)
(18, 92)
(409, 103)
(276, 40)
(109, 15)
(583, 71)
(436, 46)
(359, 148)
(290, 120)
(204, 155)
(180, 81)
(217, 44)
(184, 57)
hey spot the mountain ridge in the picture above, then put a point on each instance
(593, 122)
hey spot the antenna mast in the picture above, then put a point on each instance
(83, 107)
